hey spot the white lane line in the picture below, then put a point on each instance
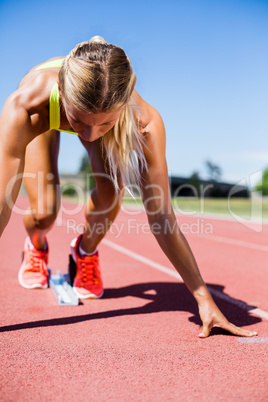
(223, 239)
(142, 259)
(174, 274)
(239, 303)
(253, 340)
(260, 313)
(234, 242)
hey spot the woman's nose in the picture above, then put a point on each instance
(92, 132)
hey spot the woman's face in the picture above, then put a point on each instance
(88, 126)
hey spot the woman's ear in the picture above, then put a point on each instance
(59, 87)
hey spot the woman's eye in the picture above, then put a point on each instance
(78, 123)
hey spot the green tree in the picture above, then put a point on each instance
(84, 165)
(214, 171)
(263, 184)
(194, 180)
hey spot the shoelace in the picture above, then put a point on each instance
(38, 262)
(88, 269)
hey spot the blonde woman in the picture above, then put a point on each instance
(91, 92)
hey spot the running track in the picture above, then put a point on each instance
(140, 342)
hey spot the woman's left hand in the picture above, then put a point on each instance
(212, 317)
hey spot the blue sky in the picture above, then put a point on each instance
(202, 64)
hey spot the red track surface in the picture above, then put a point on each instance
(140, 341)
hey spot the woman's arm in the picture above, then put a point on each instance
(163, 223)
(15, 133)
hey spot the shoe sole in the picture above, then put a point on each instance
(88, 296)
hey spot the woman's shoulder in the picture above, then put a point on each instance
(34, 89)
(146, 111)
(28, 108)
(32, 96)
(145, 114)
(33, 93)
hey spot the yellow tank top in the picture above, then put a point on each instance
(54, 99)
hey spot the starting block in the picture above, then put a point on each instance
(61, 286)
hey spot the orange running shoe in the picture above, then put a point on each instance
(87, 282)
(33, 273)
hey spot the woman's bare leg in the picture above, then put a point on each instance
(104, 202)
(41, 180)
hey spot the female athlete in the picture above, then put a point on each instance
(91, 93)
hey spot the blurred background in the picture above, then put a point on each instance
(201, 63)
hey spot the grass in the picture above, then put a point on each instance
(246, 208)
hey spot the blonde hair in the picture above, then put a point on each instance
(95, 77)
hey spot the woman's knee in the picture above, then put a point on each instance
(43, 222)
(105, 200)
(43, 215)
